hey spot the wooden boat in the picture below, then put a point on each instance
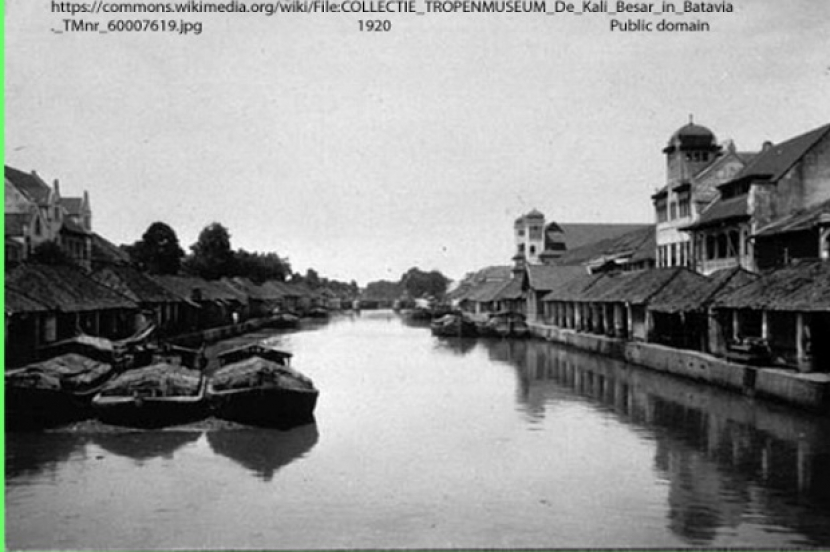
(283, 320)
(161, 394)
(453, 325)
(55, 391)
(254, 385)
(509, 324)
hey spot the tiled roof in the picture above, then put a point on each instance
(695, 294)
(211, 290)
(17, 302)
(796, 222)
(30, 184)
(547, 277)
(570, 290)
(640, 244)
(69, 225)
(722, 210)
(512, 290)
(485, 291)
(64, 288)
(802, 287)
(579, 234)
(72, 205)
(134, 284)
(774, 162)
(106, 252)
(622, 287)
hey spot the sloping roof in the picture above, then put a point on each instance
(774, 162)
(624, 287)
(211, 290)
(17, 302)
(258, 292)
(64, 288)
(106, 252)
(802, 287)
(134, 284)
(722, 210)
(690, 294)
(639, 244)
(512, 290)
(485, 291)
(73, 205)
(570, 290)
(579, 234)
(796, 222)
(547, 277)
(30, 184)
(72, 227)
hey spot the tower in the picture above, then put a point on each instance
(689, 150)
(530, 236)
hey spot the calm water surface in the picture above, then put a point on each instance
(421, 442)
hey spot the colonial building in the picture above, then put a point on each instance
(35, 213)
(695, 165)
(773, 211)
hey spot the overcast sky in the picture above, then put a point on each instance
(363, 154)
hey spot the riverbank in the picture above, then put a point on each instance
(810, 391)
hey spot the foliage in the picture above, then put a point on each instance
(260, 267)
(418, 283)
(158, 251)
(211, 256)
(383, 290)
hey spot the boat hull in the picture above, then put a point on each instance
(43, 408)
(152, 412)
(265, 407)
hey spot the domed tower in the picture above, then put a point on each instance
(689, 150)
(530, 236)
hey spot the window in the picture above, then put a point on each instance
(722, 246)
(683, 207)
(710, 247)
(532, 249)
(673, 211)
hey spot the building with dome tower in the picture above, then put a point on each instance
(696, 164)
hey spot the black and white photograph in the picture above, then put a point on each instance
(416, 275)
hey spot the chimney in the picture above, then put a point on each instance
(767, 145)
(57, 187)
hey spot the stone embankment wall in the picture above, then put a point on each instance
(810, 391)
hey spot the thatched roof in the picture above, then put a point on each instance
(136, 285)
(64, 288)
(802, 287)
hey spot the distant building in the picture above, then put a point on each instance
(35, 213)
(775, 210)
(695, 165)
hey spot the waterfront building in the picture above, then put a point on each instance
(48, 303)
(216, 300)
(773, 211)
(695, 165)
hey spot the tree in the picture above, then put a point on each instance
(260, 267)
(212, 257)
(158, 251)
(418, 283)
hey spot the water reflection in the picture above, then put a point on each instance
(725, 457)
(456, 345)
(264, 451)
(145, 445)
(29, 454)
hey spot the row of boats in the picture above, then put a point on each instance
(253, 385)
(498, 324)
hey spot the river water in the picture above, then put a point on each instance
(427, 443)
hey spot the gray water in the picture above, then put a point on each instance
(428, 443)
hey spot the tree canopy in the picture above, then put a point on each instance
(211, 256)
(158, 251)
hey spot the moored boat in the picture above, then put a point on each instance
(509, 324)
(161, 394)
(454, 325)
(255, 385)
(54, 391)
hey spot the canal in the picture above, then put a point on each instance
(428, 443)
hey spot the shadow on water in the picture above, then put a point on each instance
(145, 445)
(724, 456)
(31, 454)
(455, 345)
(264, 451)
